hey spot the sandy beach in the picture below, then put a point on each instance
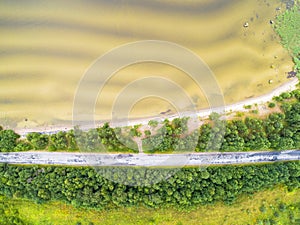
(201, 114)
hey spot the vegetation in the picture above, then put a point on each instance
(244, 211)
(134, 132)
(8, 139)
(9, 215)
(187, 188)
(271, 105)
(287, 27)
(153, 123)
(172, 136)
(103, 138)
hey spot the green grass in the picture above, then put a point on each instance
(246, 210)
(287, 27)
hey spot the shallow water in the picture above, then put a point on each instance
(45, 49)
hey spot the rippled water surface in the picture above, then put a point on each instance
(46, 47)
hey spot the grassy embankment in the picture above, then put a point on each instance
(262, 206)
(287, 27)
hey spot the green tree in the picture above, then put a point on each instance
(8, 140)
(37, 140)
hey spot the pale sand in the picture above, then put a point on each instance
(201, 114)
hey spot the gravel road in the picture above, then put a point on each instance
(148, 160)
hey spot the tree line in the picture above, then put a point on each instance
(100, 139)
(187, 188)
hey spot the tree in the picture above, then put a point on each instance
(271, 105)
(8, 140)
(39, 141)
(58, 141)
(153, 123)
(23, 145)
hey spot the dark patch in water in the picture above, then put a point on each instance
(5, 101)
(16, 76)
(152, 5)
(44, 52)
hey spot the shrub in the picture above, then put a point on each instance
(272, 105)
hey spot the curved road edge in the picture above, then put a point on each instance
(148, 160)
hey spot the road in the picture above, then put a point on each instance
(148, 160)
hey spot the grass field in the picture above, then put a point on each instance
(247, 210)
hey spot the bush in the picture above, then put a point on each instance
(272, 105)
(263, 209)
(153, 123)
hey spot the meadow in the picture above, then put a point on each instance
(256, 209)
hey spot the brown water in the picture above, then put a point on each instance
(45, 48)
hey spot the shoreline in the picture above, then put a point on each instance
(202, 114)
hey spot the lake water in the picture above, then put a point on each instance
(46, 47)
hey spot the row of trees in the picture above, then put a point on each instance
(100, 139)
(187, 187)
(279, 131)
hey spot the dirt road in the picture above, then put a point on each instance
(147, 160)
